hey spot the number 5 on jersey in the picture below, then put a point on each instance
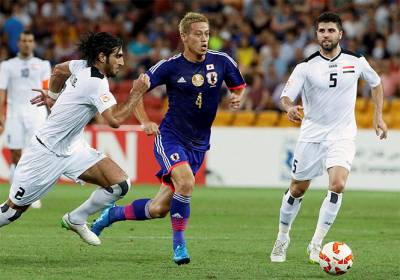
(333, 80)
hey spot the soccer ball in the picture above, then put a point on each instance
(336, 258)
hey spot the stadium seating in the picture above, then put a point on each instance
(223, 118)
(267, 118)
(244, 118)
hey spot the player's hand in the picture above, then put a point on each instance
(150, 128)
(234, 101)
(43, 99)
(380, 127)
(295, 113)
(141, 84)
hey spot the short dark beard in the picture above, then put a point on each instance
(108, 70)
(329, 49)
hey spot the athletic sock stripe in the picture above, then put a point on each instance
(181, 198)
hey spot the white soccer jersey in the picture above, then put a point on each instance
(86, 93)
(19, 76)
(328, 90)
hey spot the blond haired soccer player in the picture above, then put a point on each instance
(327, 81)
(193, 79)
(18, 76)
(58, 147)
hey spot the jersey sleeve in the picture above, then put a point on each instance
(295, 82)
(46, 73)
(233, 77)
(101, 97)
(4, 75)
(76, 65)
(157, 74)
(368, 74)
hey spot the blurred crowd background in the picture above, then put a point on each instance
(266, 38)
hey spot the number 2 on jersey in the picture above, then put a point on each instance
(199, 100)
(333, 79)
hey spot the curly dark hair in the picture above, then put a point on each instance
(329, 17)
(92, 44)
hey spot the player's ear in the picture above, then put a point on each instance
(102, 57)
(183, 37)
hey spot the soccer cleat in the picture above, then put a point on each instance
(181, 255)
(278, 253)
(102, 221)
(82, 230)
(313, 252)
(37, 204)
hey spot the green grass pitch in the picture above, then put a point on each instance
(230, 235)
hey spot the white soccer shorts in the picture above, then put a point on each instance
(39, 169)
(311, 159)
(20, 129)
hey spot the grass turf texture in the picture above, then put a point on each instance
(230, 236)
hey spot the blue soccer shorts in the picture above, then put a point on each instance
(170, 153)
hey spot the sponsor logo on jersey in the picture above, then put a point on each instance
(181, 80)
(174, 157)
(348, 69)
(25, 72)
(197, 80)
(212, 78)
(105, 98)
(210, 67)
(73, 80)
(332, 65)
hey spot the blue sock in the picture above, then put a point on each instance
(179, 212)
(137, 210)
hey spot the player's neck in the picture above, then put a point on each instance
(192, 57)
(331, 54)
(100, 68)
(25, 56)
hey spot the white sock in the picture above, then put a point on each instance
(97, 201)
(288, 212)
(327, 215)
(12, 169)
(6, 213)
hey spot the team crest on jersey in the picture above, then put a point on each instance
(212, 78)
(174, 157)
(25, 72)
(197, 80)
(104, 98)
(210, 67)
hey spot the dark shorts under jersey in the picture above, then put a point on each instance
(170, 153)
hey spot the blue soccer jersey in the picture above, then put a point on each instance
(193, 91)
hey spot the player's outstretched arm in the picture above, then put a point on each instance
(118, 113)
(293, 111)
(379, 124)
(60, 74)
(147, 125)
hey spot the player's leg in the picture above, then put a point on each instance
(307, 164)
(113, 182)
(340, 155)
(37, 171)
(9, 212)
(290, 207)
(183, 180)
(139, 210)
(14, 140)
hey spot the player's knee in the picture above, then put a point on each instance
(185, 186)
(8, 214)
(296, 190)
(121, 189)
(337, 186)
